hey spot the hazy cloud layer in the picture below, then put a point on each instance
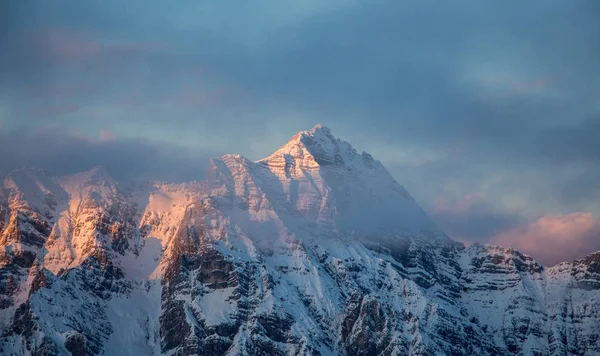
(59, 152)
(473, 218)
(554, 239)
(459, 97)
(549, 238)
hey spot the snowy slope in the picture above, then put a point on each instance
(315, 249)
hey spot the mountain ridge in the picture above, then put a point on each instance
(314, 249)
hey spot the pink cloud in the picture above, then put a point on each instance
(532, 86)
(56, 110)
(64, 44)
(522, 86)
(72, 47)
(553, 239)
(106, 135)
(548, 238)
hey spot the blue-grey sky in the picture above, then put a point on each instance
(488, 112)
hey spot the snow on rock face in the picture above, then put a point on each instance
(31, 188)
(317, 170)
(314, 250)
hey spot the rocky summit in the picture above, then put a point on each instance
(314, 250)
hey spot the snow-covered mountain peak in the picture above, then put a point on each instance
(95, 179)
(324, 177)
(316, 147)
(23, 176)
(95, 176)
(32, 187)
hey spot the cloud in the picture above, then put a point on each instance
(42, 60)
(198, 97)
(472, 218)
(63, 90)
(55, 110)
(106, 135)
(572, 141)
(507, 85)
(131, 97)
(63, 46)
(60, 151)
(533, 86)
(554, 239)
(548, 238)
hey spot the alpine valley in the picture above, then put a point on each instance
(314, 250)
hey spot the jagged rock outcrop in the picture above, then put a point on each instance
(314, 250)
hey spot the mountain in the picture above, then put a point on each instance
(314, 250)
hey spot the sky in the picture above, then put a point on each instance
(488, 112)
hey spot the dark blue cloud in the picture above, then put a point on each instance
(58, 151)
